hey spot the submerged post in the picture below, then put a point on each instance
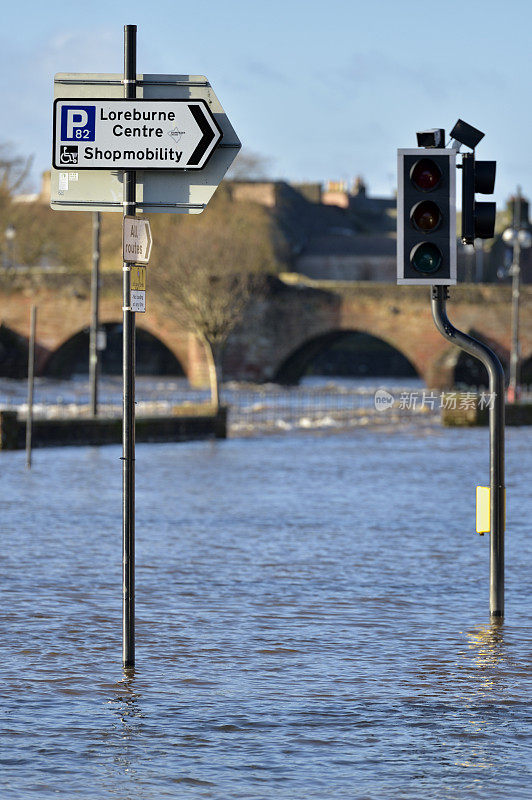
(31, 371)
(515, 272)
(128, 372)
(479, 350)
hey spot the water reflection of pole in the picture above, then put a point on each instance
(490, 664)
(488, 643)
(125, 701)
(127, 697)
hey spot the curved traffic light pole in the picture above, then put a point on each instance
(440, 295)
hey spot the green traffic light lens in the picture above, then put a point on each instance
(426, 258)
(425, 175)
(426, 216)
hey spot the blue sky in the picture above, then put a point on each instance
(323, 90)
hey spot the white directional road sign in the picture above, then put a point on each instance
(133, 134)
(136, 240)
(179, 187)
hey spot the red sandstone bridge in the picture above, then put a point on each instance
(284, 329)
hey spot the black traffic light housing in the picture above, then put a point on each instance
(478, 219)
(426, 216)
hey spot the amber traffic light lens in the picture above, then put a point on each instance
(425, 175)
(426, 216)
(426, 258)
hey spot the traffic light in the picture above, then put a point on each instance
(426, 216)
(478, 219)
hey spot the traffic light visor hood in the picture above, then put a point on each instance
(485, 176)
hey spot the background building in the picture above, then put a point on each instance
(340, 232)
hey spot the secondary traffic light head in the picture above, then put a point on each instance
(426, 216)
(478, 219)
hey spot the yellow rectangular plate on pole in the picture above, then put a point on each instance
(138, 279)
(483, 509)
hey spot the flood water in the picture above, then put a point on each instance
(312, 621)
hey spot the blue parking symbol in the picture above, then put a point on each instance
(78, 123)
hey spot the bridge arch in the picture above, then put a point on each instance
(526, 371)
(153, 357)
(345, 353)
(469, 371)
(457, 369)
(13, 353)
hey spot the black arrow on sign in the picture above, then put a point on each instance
(208, 135)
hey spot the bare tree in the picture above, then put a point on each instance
(248, 166)
(206, 267)
(14, 170)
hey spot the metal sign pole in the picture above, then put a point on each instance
(183, 158)
(128, 372)
(93, 344)
(479, 350)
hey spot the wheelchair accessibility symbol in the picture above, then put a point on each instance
(68, 154)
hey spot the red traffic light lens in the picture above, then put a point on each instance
(425, 175)
(426, 258)
(426, 216)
